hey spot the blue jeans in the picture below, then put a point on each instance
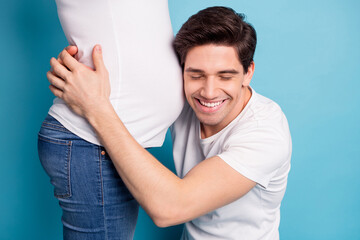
(95, 202)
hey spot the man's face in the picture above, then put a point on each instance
(215, 85)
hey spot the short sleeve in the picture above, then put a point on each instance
(258, 151)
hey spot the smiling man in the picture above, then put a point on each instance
(216, 85)
(232, 146)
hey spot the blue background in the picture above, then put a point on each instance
(307, 60)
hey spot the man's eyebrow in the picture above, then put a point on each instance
(190, 69)
(231, 71)
(194, 70)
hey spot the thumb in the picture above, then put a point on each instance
(98, 59)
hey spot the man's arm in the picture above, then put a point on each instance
(167, 199)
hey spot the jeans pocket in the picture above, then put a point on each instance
(55, 155)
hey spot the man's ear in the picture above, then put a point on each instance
(248, 76)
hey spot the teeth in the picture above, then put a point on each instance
(210, 105)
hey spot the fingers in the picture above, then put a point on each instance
(55, 81)
(72, 50)
(59, 69)
(57, 92)
(68, 61)
(98, 59)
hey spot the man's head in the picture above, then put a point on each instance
(218, 26)
(216, 48)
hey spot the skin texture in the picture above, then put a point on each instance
(167, 199)
(213, 74)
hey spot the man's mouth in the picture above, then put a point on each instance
(210, 104)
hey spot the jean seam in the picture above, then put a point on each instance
(102, 192)
(55, 127)
(69, 169)
(54, 124)
(68, 157)
(53, 140)
(101, 178)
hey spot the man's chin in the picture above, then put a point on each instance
(209, 122)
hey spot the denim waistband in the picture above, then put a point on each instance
(51, 122)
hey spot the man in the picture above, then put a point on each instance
(95, 202)
(232, 146)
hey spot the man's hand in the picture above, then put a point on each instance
(72, 50)
(82, 88)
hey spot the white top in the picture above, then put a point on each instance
(257, 144)
(146, 83)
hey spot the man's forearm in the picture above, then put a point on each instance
(152, 184)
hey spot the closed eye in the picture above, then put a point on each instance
(195, 77)
(226, 77)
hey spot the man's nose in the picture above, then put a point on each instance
(209, 88)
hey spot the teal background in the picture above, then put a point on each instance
(307, 60)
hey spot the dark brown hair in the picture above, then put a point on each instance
(219, 26)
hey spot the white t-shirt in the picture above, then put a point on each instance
(257, 144)
(146, 82)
